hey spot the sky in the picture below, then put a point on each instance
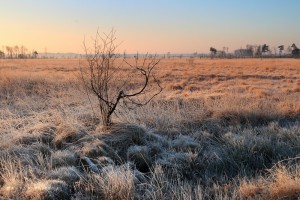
(156, 26)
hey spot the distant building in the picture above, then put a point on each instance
(243, 53)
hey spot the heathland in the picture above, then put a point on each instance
(221, 129)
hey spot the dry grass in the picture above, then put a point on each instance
(222, 129)
(206, 78)
(282, 183)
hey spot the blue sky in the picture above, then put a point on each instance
(154, 26)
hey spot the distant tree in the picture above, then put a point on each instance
(265, 48)
(262, 49)
(258, 51)
(213, 51)
(225, 49)
(281, 48)
(16, 51)
(9, 51)
(23, 51)
(2, 54)
(137, 55)
(295, 50)
(251, 48)
(34, 54)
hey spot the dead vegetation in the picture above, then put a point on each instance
(238, 141)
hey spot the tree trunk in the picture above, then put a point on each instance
(105, 116)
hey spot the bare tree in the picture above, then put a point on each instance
(16, 50)
(34, 54)
(258, 51)
(23, 51)
(9, 51)
(116, 80)
(2, 54)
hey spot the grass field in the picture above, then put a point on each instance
(221, 129)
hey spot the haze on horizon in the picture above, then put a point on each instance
(149, 26)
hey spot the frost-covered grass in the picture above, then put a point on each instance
(229, 146)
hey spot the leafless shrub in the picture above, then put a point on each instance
(108, 78)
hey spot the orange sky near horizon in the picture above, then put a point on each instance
(155, 27)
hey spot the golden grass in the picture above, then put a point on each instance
(282, 183)
(47, 189)
(220, 77)
(215, 132)
(204, 78)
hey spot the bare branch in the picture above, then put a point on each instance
(106, 77)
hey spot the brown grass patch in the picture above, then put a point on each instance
(281, 184)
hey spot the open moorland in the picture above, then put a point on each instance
(221, 129)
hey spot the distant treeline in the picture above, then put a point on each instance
(15, 52)
(251, 51)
